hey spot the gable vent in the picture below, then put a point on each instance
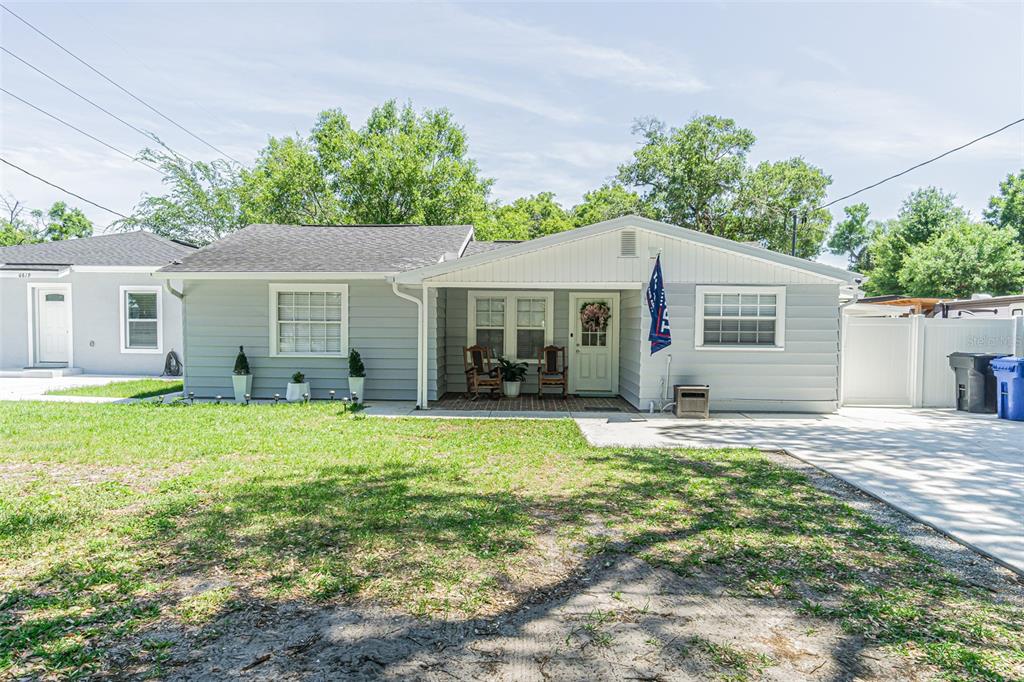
(627, 244)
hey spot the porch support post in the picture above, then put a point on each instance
(421, 343)
(424, 362)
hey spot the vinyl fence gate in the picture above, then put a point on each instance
(903, 361)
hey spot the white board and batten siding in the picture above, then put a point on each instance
(905, 361)
(220, 315)
(803, 376)
(596, 259)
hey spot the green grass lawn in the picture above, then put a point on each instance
(105, 509)
(134, 388)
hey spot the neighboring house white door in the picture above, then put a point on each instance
(52, 325)
(594, 346)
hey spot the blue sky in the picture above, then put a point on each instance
(547, 93)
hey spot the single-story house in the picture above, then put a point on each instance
(760, 327)
(89, 304)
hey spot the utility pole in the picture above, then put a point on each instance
(793, 250)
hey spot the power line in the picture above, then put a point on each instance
(66, 191)
(140, 131)
(119, 86)
(923, 163)
(77, 129)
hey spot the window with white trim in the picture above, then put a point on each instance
(512, 324)
(309, 320)
(141, 310)
(740, 317)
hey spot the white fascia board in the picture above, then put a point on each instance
(303, 276)
(34, 274)
(519, 286)
(827, 271)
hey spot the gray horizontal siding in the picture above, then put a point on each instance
(221, 315)
(802, 378)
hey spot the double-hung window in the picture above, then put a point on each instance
(740, 318)
(310, 320)
(512, 324)
(141, 319)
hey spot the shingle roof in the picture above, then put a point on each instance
(475, 247)
(327, 248)
(119, 249)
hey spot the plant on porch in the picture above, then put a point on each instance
(512, 375)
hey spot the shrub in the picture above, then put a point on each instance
(355, 364)
(241, 362)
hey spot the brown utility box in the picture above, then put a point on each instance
(692, 401)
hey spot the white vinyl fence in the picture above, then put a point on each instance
(903, 361)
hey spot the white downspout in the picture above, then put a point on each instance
(421, 344)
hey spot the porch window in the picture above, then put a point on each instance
(512, 324)
(309, 320)
(140, 319)
(740, 317)
(490, 324)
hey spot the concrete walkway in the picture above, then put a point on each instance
(17, 388)
(961, 473)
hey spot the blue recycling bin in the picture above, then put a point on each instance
(1009, 373)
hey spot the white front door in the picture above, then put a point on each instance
(52, 332)
(594, 343)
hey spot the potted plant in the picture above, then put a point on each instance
(356, 375)
(241, 377)
(297, 388)
(512, 375)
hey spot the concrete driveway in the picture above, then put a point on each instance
(961, 473)
(20, 388)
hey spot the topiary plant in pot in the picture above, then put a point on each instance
(241, 377)
(512, 375)
(356, 376)
(298, 388)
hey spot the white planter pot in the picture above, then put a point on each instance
(296, 391)
(512, 388)
(243, 386)
(355, 388)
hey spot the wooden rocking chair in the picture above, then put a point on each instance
(481, 372)
(552, 370)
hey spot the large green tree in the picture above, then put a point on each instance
(203, 202)
(63, 222)
(14, 229)
(1006, 209)
(690, 175)
(697, 176)
(525, 218)
(609, 201)
(965, 259)
(852, 236)
(402, 166)
(924, 215)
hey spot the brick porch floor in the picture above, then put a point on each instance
(531, 403)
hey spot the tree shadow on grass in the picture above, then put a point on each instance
(420, 537)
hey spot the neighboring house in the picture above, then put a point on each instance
(981, 306)
(89, 304)
(762, 328)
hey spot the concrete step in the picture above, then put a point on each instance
(40, 372)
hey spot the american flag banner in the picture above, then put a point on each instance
(660, 335)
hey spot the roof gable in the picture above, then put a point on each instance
(598, 239)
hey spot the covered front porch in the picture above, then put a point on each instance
(598, 329)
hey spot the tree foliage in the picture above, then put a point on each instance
(400, 167)
(202, 205)
(697, 176)
(1006, 209)
(63, 222)
(525, 218)
(59, 222)
(964, 259)
(609, 201)
(853, 235)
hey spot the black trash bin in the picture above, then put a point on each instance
(975, 383)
